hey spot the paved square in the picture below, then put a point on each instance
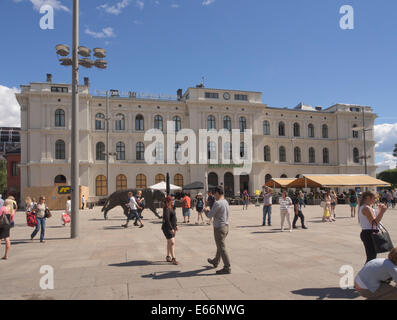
(110, 262)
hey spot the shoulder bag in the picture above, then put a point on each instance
(381, 239)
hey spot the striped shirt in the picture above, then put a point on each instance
(285, 203)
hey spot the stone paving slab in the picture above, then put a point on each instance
(109, 262)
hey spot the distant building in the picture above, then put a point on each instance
(287, 142)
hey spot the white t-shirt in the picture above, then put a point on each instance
(68, 206)
(133, 204)
(285, 203)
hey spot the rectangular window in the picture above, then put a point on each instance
(241, 97)
(59, 89)
(14, 166)
(212, 95)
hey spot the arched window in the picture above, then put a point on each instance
(297, 130)
(268, 177)
(266, 128)
(266, 151)
(120, 151)
(140, 151)
(177, 123)
(284, 176)
(312, 155)
(325, 155)
(120, 122)
(178, 152)
(60, 179)
(242, 124)
(159, 178)
(59, 118)
(297, 154)
(282, 155)
(325, 131)
(227, 151)
(355, 132)
(139, 123)
(99, 121)
(310, 129)
(211, 122)
(159, 151)
(141, 181)
(121, 182)
(227, 123)
(281, 129)
(211, 150)
(158, 122)
(178, 180)
(212, 180)
(60, 150)
(101, 186)
(356, 155)
(100, 151)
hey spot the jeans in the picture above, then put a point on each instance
(267, 211)
(301, 216)
(40, 225)
(368, 244)
(220, 235)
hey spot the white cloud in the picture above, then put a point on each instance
(115, 9)
(105, 33)
(175, 5)
(140, 4)
(9, 108)
(207, 2)
(385, 138)
(56, 4)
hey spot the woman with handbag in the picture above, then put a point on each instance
(369, 219)
(40, 211)
(6, 218)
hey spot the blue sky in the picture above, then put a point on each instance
(290, 50)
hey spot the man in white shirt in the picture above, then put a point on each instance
(133, 212)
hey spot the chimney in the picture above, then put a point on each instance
(49, 77)
(87, 81)
(179, 94)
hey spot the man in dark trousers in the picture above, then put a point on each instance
(220, 213)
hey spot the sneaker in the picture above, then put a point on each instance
(141, 226)
(224, 271)
(212, 262)
(263, 224)
(304, 227)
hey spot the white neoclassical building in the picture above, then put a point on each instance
(286, 142)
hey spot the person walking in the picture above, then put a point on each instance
(334, 200)
(186, 208)
(141, 206)
(353, 203)
(200, 208)
(267, 195)
(246, 199)
(82, 202)
(327, 217)
(285, 206)
(7, 213)
(68, 212)
(169, 227)
(369, 219)
(133, 210)
(220, 213)
(209, 203)
(374, 279)
(39, 210)
(299, 203)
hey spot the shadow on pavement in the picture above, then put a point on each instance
(329, 293)
(258, 226)
(270, 231)
(178, 274)
(139, 263)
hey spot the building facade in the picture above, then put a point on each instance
(286, 142)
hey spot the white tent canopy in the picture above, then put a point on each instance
(163, 186)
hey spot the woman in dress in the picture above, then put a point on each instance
(169, 228)
(353, 203)
(285, 210)
(8, 211)
(327, 217)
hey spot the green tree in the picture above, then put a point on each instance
(389, 176)
(395, 151)
(3, 176)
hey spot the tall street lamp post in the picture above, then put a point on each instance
(364, 130)
(63, 50)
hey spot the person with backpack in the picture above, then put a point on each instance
(200, 208)
(246, 199)
(141, 206)
(40, 212)
(299, 203)
(6, 218)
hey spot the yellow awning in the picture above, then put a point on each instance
(279, 183)
(338, 180)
